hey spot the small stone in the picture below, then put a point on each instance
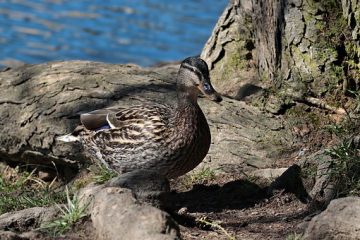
(268, 173)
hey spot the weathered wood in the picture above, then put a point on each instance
(229, 50)
(295, 46)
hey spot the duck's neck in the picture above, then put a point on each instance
(187, 97)
(187, 109)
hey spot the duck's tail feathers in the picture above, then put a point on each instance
(68, 138)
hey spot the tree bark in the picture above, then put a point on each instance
(295, 48)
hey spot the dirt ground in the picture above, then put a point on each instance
(238, 208)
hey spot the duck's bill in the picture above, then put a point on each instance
(208, 90)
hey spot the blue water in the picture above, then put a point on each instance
(144, 32)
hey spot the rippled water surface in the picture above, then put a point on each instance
(139, 31)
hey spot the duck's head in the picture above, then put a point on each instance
(193, 77)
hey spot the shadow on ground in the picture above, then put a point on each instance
(241, 193)
(236, 194)
(242, 207)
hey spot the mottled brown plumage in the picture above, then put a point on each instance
(170, 140)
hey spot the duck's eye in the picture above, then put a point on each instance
(207, 87)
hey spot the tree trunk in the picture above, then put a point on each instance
(291, 51)
(291, 48)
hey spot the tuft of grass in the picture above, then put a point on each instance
(24, 190)
(71, 213)
(203, 176)
(204, 222)
(294, 236)
(338, 130)
(345, 168)
(102, 174)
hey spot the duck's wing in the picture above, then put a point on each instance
(142, 121)
(133, 126)
(139, 115)
(91, 121)
(118, 117)
(97, 119)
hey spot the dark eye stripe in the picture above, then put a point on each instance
(197, 72)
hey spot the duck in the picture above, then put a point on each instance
(170, 140)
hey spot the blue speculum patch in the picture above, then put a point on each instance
(107, 126)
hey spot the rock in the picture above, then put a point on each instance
(87, 194)
(268, 173)
(117, 215)
(339, 221)
(26, 219)
(147, 186)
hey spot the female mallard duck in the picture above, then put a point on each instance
(168, 140)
